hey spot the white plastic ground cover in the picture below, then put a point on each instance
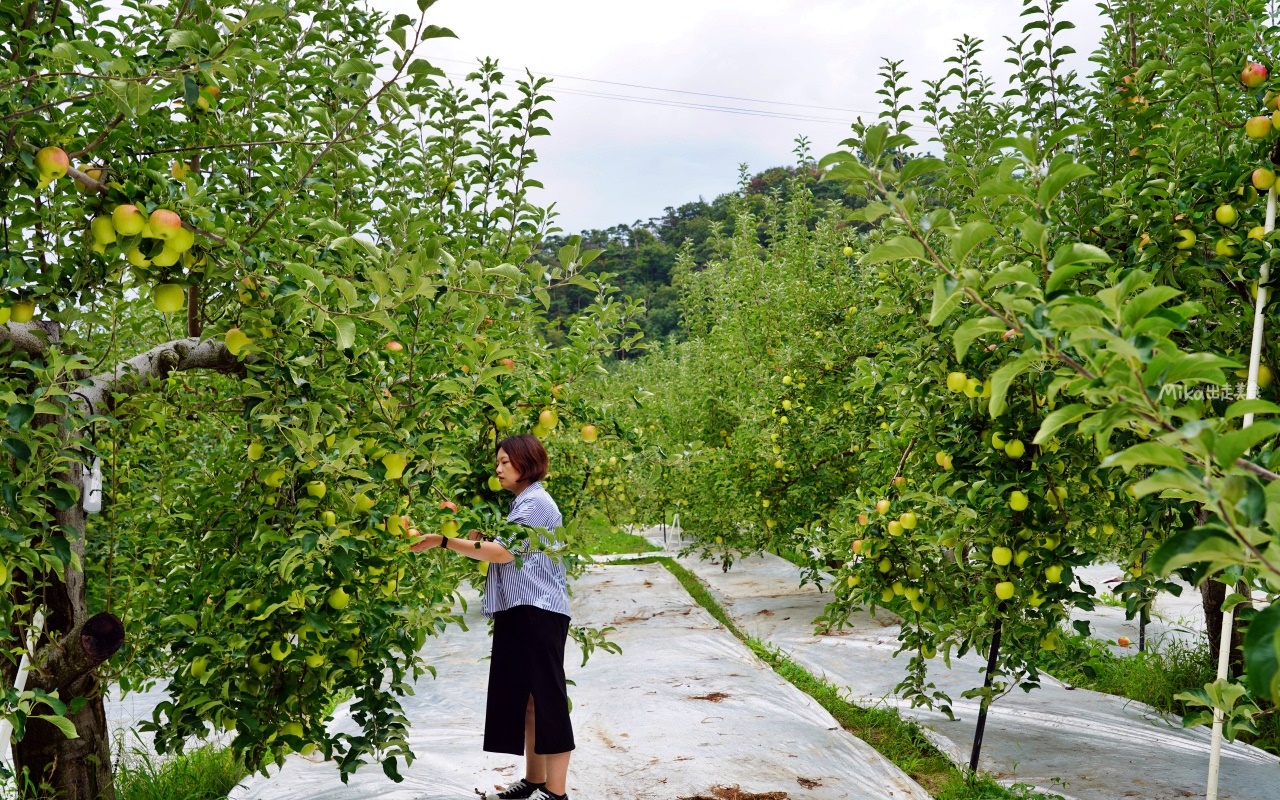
(1071, 742)
(684, 708)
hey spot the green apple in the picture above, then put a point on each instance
(1004, 590)
(494, 483)
(329, 519)
(1001, 556)
(259, 666)
(128, 220)
(1015, 449)
(280, 650)
(236, 340)
(255, 450)
(364, 502)
(1018, 501)
(198, 667)
(316, 489)
(338, 599)
(315, 660)
(1053, 573)
(22, 311)
(1226, 214)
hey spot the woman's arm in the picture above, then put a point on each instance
(471, 548)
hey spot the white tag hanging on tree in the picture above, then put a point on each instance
(93, 488)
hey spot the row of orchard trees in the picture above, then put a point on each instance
(272, 278)
(1023, 355)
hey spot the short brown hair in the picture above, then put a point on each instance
(527, 455)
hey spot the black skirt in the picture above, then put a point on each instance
(528, 659)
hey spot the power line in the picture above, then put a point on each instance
(682, 91)
(753, 112)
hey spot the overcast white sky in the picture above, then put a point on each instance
(610, 161)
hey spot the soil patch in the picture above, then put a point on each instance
(734, 793)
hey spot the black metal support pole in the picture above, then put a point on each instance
(982, 713)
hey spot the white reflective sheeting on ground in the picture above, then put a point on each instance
(684, 708)
(1074, 742)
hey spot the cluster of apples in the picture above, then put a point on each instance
(972, 387)
(127, 220)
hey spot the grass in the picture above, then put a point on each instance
(601, 539)
(899, 740)
(1153, 677)
(207, 773)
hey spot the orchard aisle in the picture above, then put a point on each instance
(1098, 746)
(684, 707)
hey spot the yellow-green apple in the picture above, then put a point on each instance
(169, 297)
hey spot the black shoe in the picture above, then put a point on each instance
(520, 790)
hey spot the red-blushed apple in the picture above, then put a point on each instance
(51, 163)
(1258, 127)
(449, 504)
(128, 220)
(393, 346)
(1123, 641)
(1253, 75)
(164, 223)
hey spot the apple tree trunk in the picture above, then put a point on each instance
(70, 650)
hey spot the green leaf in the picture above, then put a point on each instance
(61, 723)
(1262, 653)
(1203, 545)
(346, 328)
(20, 414)
(1176, 481)
(1142, 305)
(1002, 187)
(1234, 444)
(971, 329)
(920, 166)
(969, 237)
(1146, 454)
(1058, 418)
(1197, 367)
(65, 51)
(1004, 376)
(505, 270)
(1255, 406)
(899, 248)
(17, 448)
(946, 298)
(1058, 180)
(1018, 273)
(179, 40)
(353, 66)
(1059, 277)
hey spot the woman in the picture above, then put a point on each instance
(530, 611)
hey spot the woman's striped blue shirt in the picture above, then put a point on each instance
(541, 580)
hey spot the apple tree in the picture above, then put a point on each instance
(269, 276)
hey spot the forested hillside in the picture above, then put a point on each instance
(642, 254)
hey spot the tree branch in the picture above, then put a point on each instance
(31, 337)
(158, 362)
